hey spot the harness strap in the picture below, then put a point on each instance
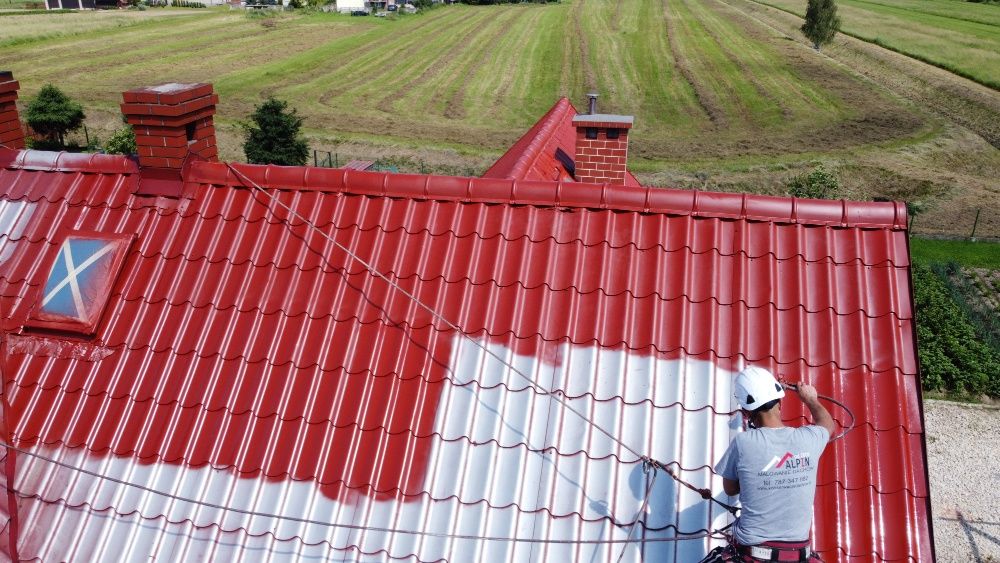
(769, 553)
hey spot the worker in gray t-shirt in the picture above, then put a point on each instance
(772, 468)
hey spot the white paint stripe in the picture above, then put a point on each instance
(522, 486)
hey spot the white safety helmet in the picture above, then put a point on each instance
(755, 387)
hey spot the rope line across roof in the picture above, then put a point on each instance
(416, 300)
(686, 536)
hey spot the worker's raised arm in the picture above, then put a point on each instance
(821, 416)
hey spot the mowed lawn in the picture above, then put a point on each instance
(961, 36)
(701, 79)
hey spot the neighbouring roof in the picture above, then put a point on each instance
(535, 156)
(247, 362)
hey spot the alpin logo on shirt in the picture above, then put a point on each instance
(788, 461)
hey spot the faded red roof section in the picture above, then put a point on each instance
(533, 156)
(245, 360)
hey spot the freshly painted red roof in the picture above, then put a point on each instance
(533, 156)
(248, 362)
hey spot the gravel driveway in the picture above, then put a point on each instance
(963, 455)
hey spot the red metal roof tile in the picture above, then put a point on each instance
(245, 360)
(533, 156)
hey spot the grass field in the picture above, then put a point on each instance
(969, 254)
(699, 80)
(722, 99)
(963, 37)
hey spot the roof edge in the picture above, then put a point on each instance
(843, 213)
(50, 161)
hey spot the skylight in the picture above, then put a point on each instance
(81, 273)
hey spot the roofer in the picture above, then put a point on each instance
(772, 467)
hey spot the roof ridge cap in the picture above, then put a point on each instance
(549, 123)
(63, 161)
(722, 205)
(539, 134)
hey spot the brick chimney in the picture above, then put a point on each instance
(602, 147)
(170, 122)
(11, 133)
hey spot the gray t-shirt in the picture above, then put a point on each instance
(776, 468)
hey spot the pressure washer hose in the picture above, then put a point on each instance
(848, 427)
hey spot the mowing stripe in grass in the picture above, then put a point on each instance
(711, 67)
(532, 78)
(442, 85)
(326, 65)
(45, 29)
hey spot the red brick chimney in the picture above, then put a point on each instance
(170, 122)
(11, 133)
(602, 147)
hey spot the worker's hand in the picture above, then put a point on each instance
(807, 393)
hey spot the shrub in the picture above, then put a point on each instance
(818, 184)
(122, 142)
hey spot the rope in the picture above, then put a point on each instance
(646, 466)
(706, 494)
(357, 527)
(371, 269)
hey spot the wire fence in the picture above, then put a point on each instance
(973, 224)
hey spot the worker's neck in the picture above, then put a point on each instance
(770, 419)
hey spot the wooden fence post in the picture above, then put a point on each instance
(975, 224)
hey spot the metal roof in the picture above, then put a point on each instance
(247, 364)
(533, 156)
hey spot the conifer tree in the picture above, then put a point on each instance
(273, 135)
(822, 22)
(53, 114)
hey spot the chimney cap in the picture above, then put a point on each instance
(172, 93)
(604, 120)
